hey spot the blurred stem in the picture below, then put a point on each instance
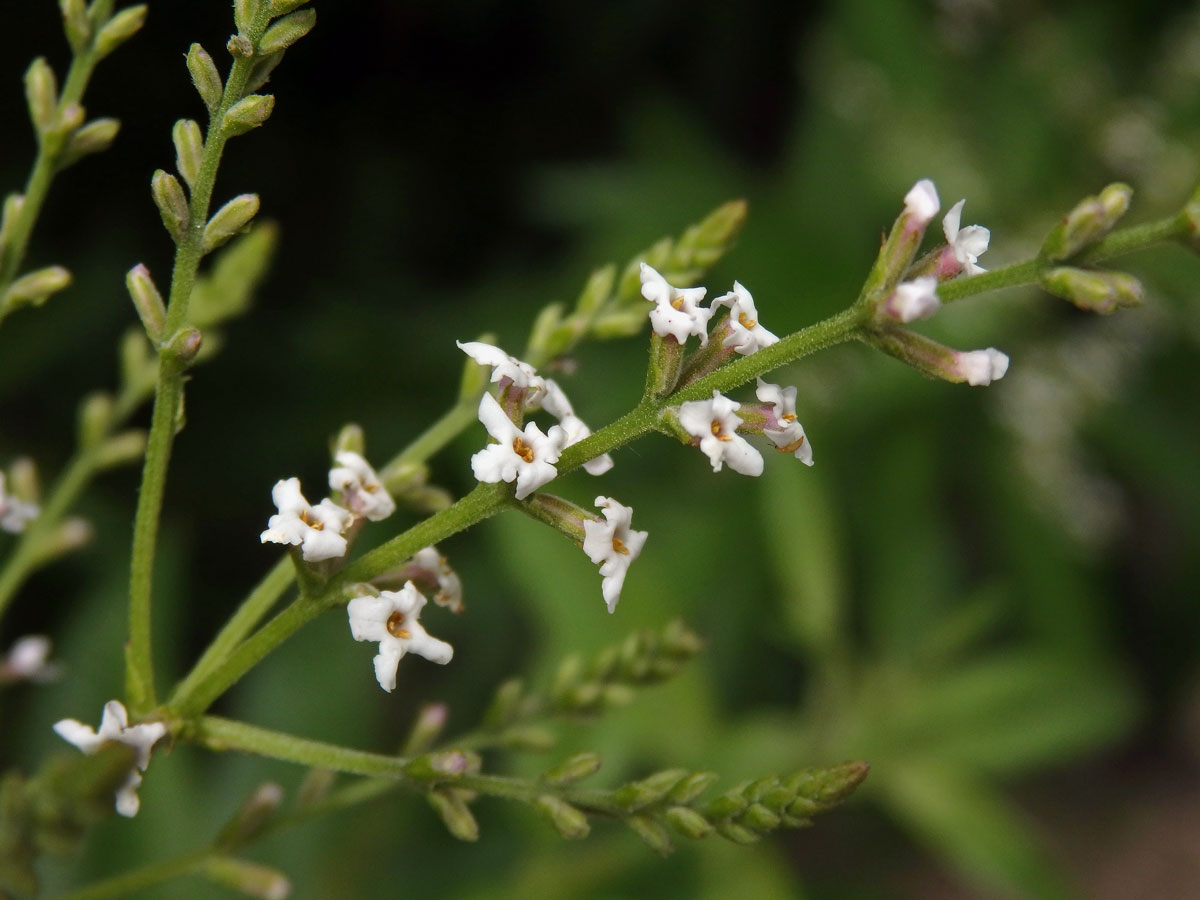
(139, 671)
(142, 878)
(49, 152)
(435, 437)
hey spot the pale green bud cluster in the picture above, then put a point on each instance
(1090, 220)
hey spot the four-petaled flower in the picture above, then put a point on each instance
(912, 300)
(316, 528)
(362, 491)
(392, 619)
(506, 370)
(980, 367)
(527, 456)
(746, 334)
(575, 430)
(785, 432)
(613, 545)
(114, 726)
(967, 244)
(922, 203)
(714, 423)
(14, 513)
(677, 311)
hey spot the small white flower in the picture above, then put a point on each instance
(714, 423)
(556, 403)
(967, 244)
(392, 618)
(980, 367)
(921, 202)
(789, 437)
(520, 374)
(748, 336)
(114, 726)
(449, 585)
(15, 514)
(613, 546)
(317, 528)
(912, 300)
(362, 491)
(527, 456)
(677, 311)
(27, 660)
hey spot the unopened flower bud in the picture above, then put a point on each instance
(652, 832)
(205, 77)
(95, 419)
(729, 804)
(283, 7)
(829, 786)
(126, 447)
(37, 287)
(759, 818)
(639, 794)
(426, 729)
(184, 344)
(139, 366)
(70, 117)
(250, 878)
(94, 137)
(739, 834)
(350, 438)
(976, 367)
(147, 301)
(189, 149)
(119, 29)
(67, 537)
(13, 204)
(23, 479)
(239, 45)
(573, 769)
(505, 704)
(172, 204)
(1089, 221)
(247, 113)
(598, 289)
(455, 814)
(691, 787)
(911, 300)
(314, 787)
(229, 220)
(688, 822)
(528, 737)
(244, 12)
(567, 820)
(253, 816)
(445, 765)
(76, 24)
(286, 31)
(1095, 291)
(41, 94)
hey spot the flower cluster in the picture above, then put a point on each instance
(15, 513)
(114, 726)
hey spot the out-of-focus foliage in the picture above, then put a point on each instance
(987, 593)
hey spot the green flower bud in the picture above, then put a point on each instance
(573, 769)
(94, 137)
(260, 73)
(253, 816)
(710, 239)
(623, 323)
(147, 301)
(541, 336)
(652, 832)
(666, 362)
(739, 834)
(68, 536)
(189, 149)
(456, 815)
(285, 32)
(597, 291)
(1095, 291)
(229, 220)
(172, 204)
(688, 822)
(139, 366)
(126, 447)
(504, 705)
(444, 765)
(41, 94)
(283, 7)
(827, 787)
(567, 820)
(247, 113)
(23, 480)
(184, 344)
(528, 738)
(251, 879)
(37, 287)
(95, 419)
(76, 24)
(1087, 223)
(729, 804)
(119, 29)
(13, 204)
(239, 45)
(205, 77)
(759, 818)
(640, 794)
(691, 787)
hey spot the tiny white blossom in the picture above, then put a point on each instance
(28, 660)
(527, 456)
(967, 244)
(912, 300)
(556, 403)
(362, 491)
(392, 619)
(15, 514)
(747, 335)
(114, 726)
(714, 423)
(449, 585)
(981, 367)
(520, 374)
(612, 545)
(921, 202)
(677, 311)
(789, 436)
(316, 528)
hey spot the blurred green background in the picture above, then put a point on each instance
(988, 594)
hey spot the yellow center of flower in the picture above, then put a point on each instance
(395, 620)
(788, 417)
(315, 526)
(619, 546)
(793, 446)
(718, 432)
(746, 322)
(678, 302)
(522, 449)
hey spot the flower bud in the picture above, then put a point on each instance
(139, 366)
(544, 338)
(759, 818)
(253, 816)
(205, 77)
(247, 113)
(41, 94)
(119, 29)
(639, 794)
(76, 24)
(691, 787)
(285, 32)
(426, 729)
(456, 815)
(707, 241)
(189, 149)
(94, 137)
(239, 45)
(36, 288)
(729, 804)
(350, 438)
(1095, 291)
(829, 786)
(23, 480)
(229, 220)
(147, 301)
(68, 536)
(184, 344)
(532, 738)
(573, 769)
(911, 300)
(567, 820)
(444, 765)
(652, 832)
(252, 879)
(283, 7)
(688, 822)
(739, 834)
(666, 362)
(561, 515)
(505, 704)
(976, 367)
(1089, 221)
(13, 204)
(597, 291)
(95, 419)
(126, 447)
(172, 204)
(622, 323)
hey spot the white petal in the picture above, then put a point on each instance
(921, 202)
(386, 661)
(75, 732)
(952, 220)
(496, 421)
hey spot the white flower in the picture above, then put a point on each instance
(748, 336)
(527, 456)
(114, 726)
(912, 300)
(14, 513)
(921, 202)
(714, 422)
(967, 244)
(317, 528)
(449, 585)
(789, 437)
(613, 546)
(556, 403)
(677, 311)
(520, 374)
(27, 660)
(980, 367)
(392, 618)
(362, 491)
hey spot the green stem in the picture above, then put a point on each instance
(435, 437)
(145, 877)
